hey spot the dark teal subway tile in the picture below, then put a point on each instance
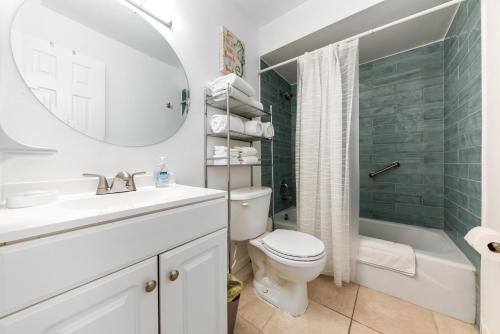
(456, 197)
(470, 155)
(467, 218)
(474, 172)
(469, 187)
(426, 211)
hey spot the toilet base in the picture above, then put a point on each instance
(290, 297)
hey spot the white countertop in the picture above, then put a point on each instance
(81, 210)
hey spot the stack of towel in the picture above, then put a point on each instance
(238, 155)
(238, 88)
(220, 155)
(248, 155)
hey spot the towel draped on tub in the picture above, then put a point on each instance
(387, 254)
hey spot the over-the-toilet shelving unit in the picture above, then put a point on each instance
(233, 106)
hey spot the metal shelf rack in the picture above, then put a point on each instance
(233, 106)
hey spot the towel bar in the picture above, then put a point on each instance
(394, 164)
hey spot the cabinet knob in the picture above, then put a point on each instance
(150, 286)
(173, 275)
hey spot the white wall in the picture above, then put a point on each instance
(195, 37)
(305, 19)
(490, 52)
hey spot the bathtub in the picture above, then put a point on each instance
(445, 278)
(286, 219)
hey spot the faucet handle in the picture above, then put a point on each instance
(131, 181)
(102, 186)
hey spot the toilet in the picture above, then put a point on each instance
(283, 261)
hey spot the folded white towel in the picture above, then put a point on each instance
(247, 151)
(249, 160)
(253, 128)
(224, 156)
(220, 99)
(224, 162)
(386, 254)
(220, 84)
(218, 124)
(267, 130)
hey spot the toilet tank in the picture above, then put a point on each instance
(249, 212)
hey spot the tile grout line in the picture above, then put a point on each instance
(435, 322)
(373, 329)
(355, 301)
(353, 308)
(359, 322)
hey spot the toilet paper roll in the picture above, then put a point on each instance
(480, 239)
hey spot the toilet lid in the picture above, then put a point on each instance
(293, 244)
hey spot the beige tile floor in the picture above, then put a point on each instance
(351, 309)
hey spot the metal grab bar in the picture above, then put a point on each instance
(394, 164)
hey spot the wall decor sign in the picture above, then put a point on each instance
(232, 53)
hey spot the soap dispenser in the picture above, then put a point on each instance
(162, 175)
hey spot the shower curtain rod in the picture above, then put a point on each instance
(372, 31)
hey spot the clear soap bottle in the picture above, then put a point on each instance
(162, 175)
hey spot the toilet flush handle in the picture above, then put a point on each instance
(244, 204)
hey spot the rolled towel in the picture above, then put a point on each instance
(247, 151)
(267, 130)
(220, 84)
(250, 160)
(218, 124)
(253, 128)
(220, 99)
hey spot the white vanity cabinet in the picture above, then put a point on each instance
(158, 272)
(118, 303)
(193, 278)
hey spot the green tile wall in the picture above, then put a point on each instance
(401, 118)
(271, 85)
(462, 126)
(462, 121)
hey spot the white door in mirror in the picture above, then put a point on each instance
(70, 85)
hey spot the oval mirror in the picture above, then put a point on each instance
(102, 69)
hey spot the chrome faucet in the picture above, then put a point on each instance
(123, 182)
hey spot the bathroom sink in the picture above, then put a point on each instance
(84, 209)
(113, 202)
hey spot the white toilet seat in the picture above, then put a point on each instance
(294, 258)
(293, 245)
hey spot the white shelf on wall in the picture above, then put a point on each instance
(9, 148)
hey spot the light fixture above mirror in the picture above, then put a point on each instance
(162, 11)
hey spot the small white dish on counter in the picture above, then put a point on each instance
(32, 198)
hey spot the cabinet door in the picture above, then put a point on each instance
(118, 303)
(193, 287)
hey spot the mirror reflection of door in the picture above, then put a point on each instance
(101, 68)
(71, 86)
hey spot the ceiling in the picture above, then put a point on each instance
(404, 36)
(265, 11)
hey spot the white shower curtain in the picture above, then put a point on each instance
(327, 167)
